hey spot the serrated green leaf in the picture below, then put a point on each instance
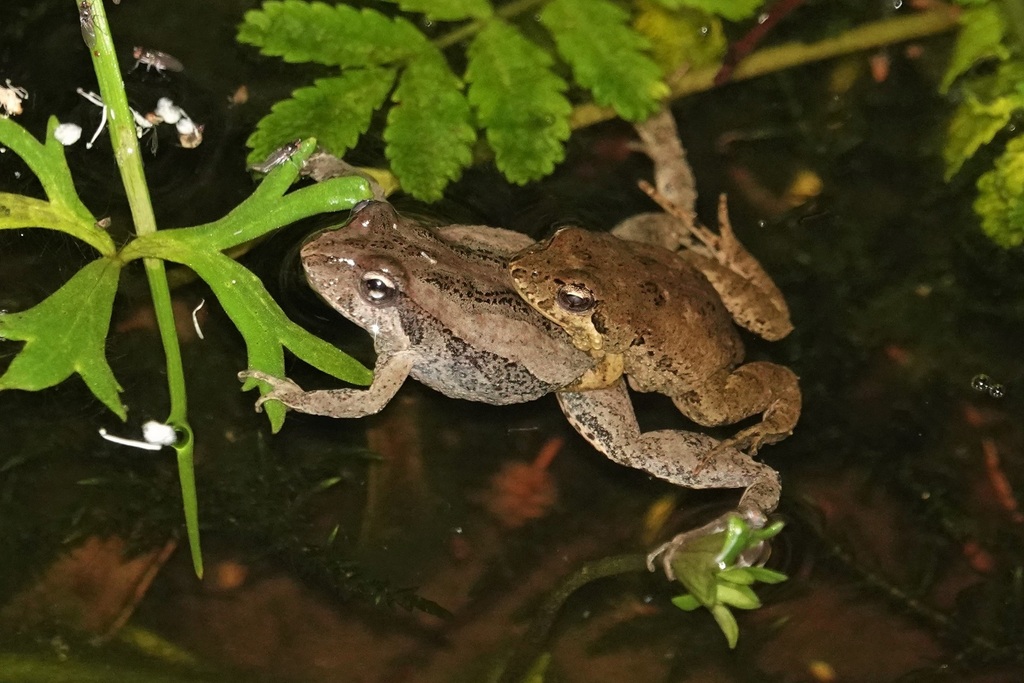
(519, 102)
(733, 595)
(606, 55)
(336, 111)
(681, 38)
(1000, 202)
(981, 37)
(65, 334)
(733, 10)
(429, 136)
(447, 10)
(336, 35)
(975, 124)
(727, 623)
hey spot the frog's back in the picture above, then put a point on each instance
(450, 306)
(659, 312)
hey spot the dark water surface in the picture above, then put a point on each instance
(327, 545)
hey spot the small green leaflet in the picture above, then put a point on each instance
(67, 333)
(681, 37)
(447, 10)
(975, 124)
(336, 111)
(698, 566)
(336, 35)
(519, 102)
(980, 38)
(733, 10)
(429, 136)
(606, 56)
(1000, 201)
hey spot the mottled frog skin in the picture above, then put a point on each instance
(441, 308)
(655, 317)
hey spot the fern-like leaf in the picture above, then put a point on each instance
(1000, 202)
(336, 111)
(519, 101)
(606, 55)
(429, 136)
(336, 35)
(448, 10)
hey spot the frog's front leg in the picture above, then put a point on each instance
(389, 373)
(728, 397)
(605, 418)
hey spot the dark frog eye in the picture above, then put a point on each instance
(575, 298)
(377, 288)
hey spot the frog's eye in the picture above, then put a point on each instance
(377, 288)
(575, 298)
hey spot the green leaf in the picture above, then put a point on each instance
(336, 35)
(695, 566)
(767, 575)
(681, 38)
(336, 111)
(519, 101)
(981, 37)
(429, 136)
(266, 329)
(65, 211)
(447, 10)
(67, 333)
(727, 623)
(606, 55)
(733, 10)
(738, 575)
(686, 602)
(1000, 202)
(974, 124)
(733, 595)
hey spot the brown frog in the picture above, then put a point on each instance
(441, 308)
(664, 318)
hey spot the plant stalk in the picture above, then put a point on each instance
(124, 140)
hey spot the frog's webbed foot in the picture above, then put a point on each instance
(748, 292)
(281, 388)
(666, 553)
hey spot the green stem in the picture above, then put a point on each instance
(534, 640)
(782, 57)
(129, 162)
(472, 28)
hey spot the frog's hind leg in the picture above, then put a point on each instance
(605, 418)
(758, 387)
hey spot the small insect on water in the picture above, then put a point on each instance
(155, 59)
(88, 27)
(11, 98)
(277, 157)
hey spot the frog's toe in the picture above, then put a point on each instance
(666, 552)
(279, 388)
